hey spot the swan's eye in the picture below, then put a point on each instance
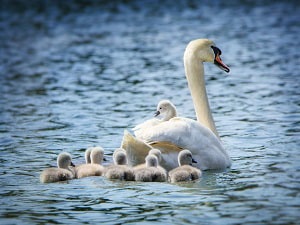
(216, 50)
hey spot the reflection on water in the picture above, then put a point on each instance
(76, 74)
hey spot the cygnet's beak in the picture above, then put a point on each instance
(156, 113)
(193, 160)
(218, 61)
(72, 164)
(104, 159)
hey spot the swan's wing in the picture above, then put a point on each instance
(136, 149)
(163, 146)
(174, 131)
(146, 124)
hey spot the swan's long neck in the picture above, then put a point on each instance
(194, 72)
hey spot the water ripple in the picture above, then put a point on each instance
(76, 74)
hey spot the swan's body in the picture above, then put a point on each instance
(150, 173)
(165, 109)
(185, 171)
(201, 136)
(120, 170)
(62, 173)
(94, 168)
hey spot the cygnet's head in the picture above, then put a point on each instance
(205, 50)
(166, 110)
(87, 155)
(185, 158)
(119, 157)
(64, 160)
(151, 161)
(97, 155)
(155, 152)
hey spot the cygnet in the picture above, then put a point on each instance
(165, 109)
(150, 173)
(185, 171)
(62, 173)
(94, 168)
(120, 170)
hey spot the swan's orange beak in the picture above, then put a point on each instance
(218, 61)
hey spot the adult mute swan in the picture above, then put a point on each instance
(165, 109)
(201, 136)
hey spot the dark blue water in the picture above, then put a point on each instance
(76, 74)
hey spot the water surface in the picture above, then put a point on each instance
(76, 74)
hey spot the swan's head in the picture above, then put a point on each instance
(166, 110)
(205, 50)
(64, 160)
(185, 158)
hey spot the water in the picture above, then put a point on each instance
(76, 74)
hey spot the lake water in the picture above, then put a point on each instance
(75, 74)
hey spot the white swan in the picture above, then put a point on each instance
(94, 168)
(152, 172)
(120, 170)
(62, 173)
(185, 171)
(200, 136)
(165, 109)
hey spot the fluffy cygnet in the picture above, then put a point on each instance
(120, 170)
(185, 171)
(62, 173)
(119, 159)
(87, 155)
(166, 109)
(93, 169)
(155, 152)
(150, 173)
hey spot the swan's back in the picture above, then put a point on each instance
(189, 134)
(62, 173)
